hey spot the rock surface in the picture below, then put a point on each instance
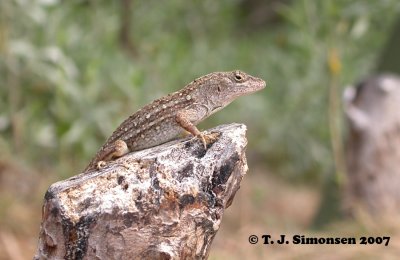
(165, 202)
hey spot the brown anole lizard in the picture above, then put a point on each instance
(167, 117)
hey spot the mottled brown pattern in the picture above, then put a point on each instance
(165, 118)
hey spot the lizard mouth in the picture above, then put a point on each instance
(260, 84)
(256, 85)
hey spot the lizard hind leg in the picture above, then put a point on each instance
(118, 149)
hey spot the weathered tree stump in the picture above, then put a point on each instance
(165, 202)
(373, 145)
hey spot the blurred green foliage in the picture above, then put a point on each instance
(66, 81)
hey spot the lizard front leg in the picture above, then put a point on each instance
(188, 117)
(117, 149)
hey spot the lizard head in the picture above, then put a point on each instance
(224, 87)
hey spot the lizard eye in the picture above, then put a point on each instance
(219, 89)
(238, 77)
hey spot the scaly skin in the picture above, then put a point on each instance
(165, 118)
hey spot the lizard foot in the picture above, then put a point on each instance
(118, 149)
(208, 138)
(100, 165)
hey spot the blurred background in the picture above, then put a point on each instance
(71, 71)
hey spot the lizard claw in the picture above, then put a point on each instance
(203, 139)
